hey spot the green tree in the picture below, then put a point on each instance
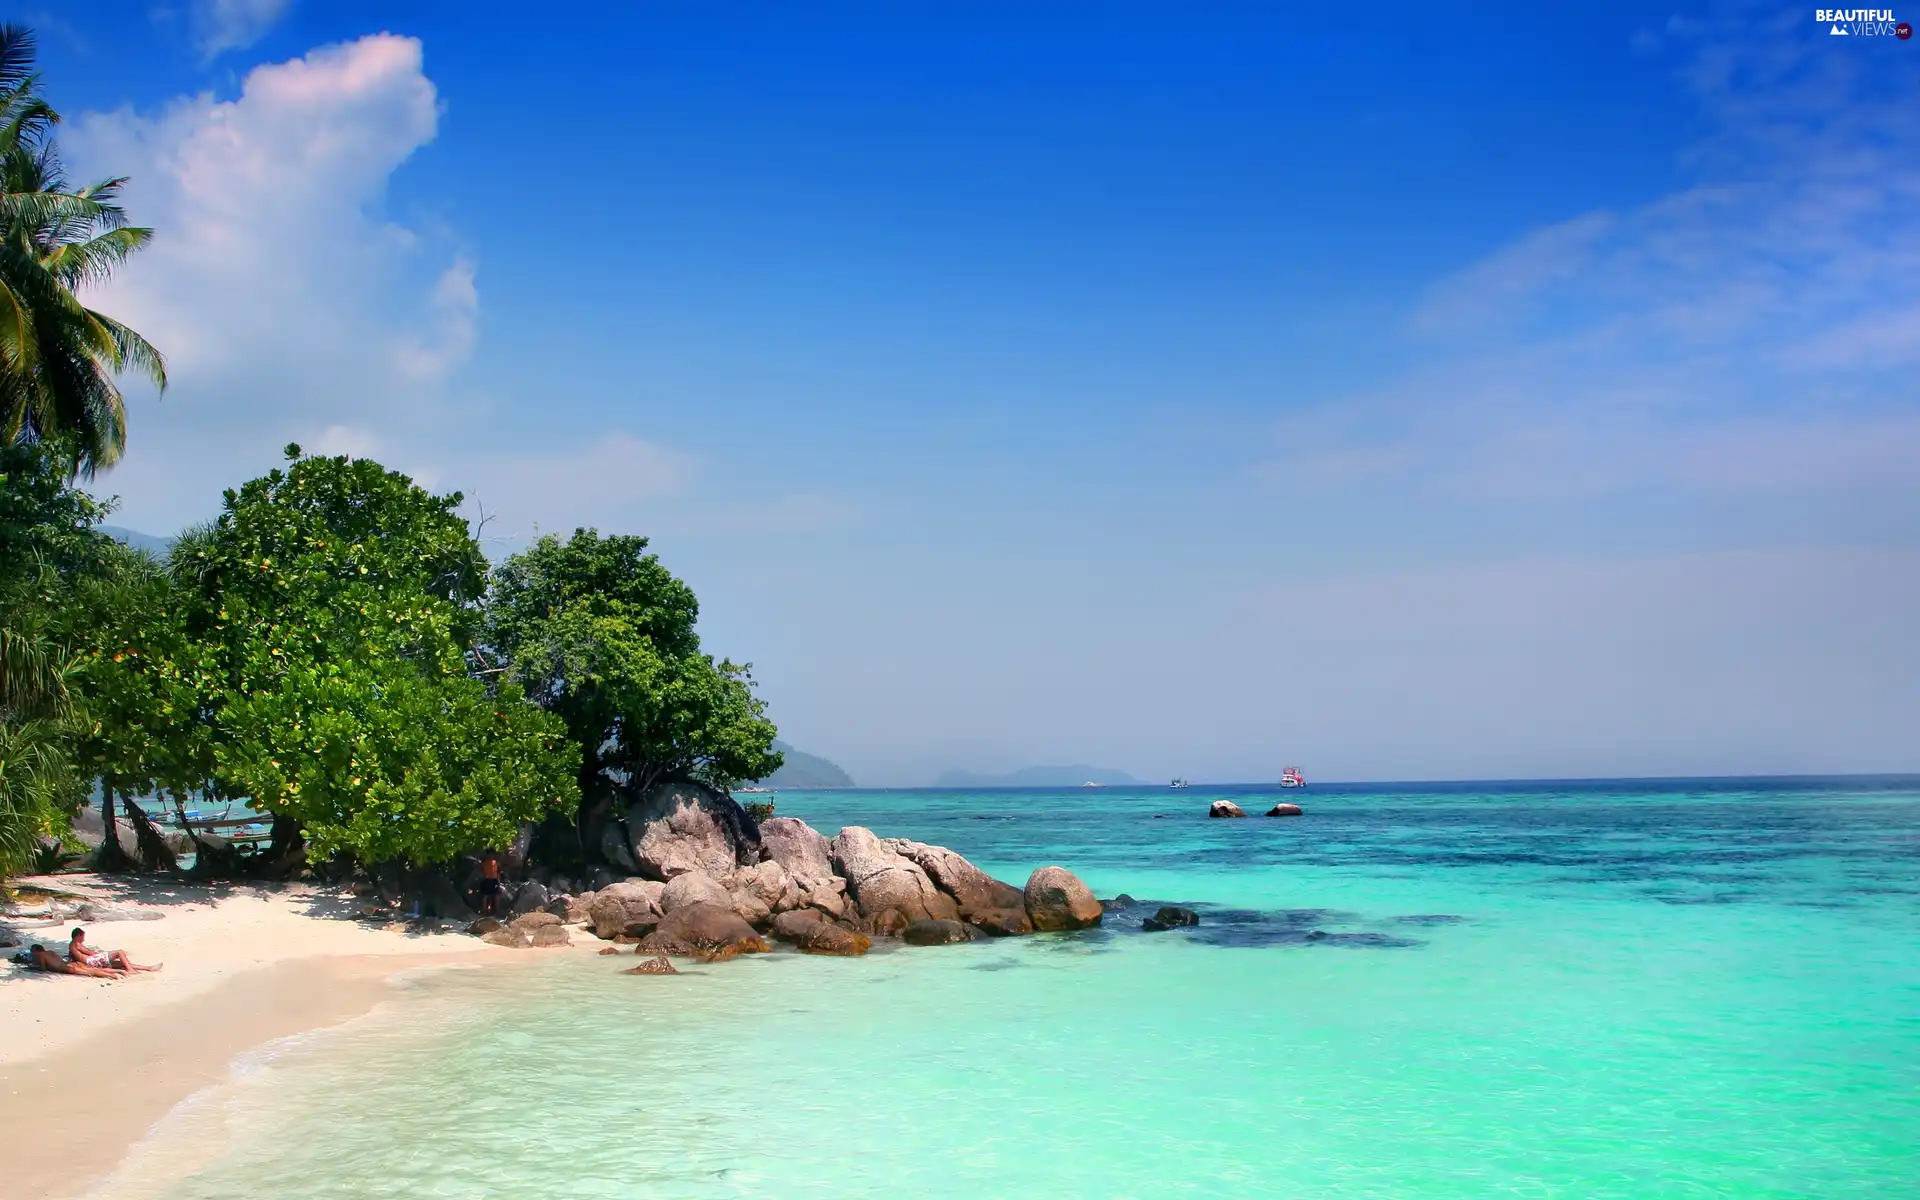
(59, 359)
(38, 786)
(603, 636)
(335, 602)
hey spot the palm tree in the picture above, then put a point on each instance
(59, 359)
(36, 775)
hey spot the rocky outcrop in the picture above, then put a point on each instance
(769, 884)
(806, 929)
(677, 828)
(1170, 917)
(708, 931)
(1057, 901)
(939, 933)
(981, 900)
(1225, 808)
(532, 896)
(806, 856)
(631, 909)
(1284, 809)
(693, 887)
(881, 881)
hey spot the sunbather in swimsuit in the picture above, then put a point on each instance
(79, 952)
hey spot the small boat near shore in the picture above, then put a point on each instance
(1292, 778)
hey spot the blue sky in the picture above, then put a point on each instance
(1414, 391)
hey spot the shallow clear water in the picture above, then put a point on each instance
(1631, 990)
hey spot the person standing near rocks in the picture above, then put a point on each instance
(490, 885)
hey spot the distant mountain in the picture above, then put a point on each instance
(1068, 776)
(803, 770)
(138, 540)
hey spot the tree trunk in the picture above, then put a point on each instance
(111, 856)
(155, 854)
(287, 853)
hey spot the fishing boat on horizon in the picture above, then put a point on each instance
(1179, 783)
(1292, 778)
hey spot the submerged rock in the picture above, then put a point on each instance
(1119, 903)
(939, 933)
(1284, 809)
(657, 965)
(1170, 917)
(1056, 900)
(1225, 808)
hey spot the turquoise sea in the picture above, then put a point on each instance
(1615, 989)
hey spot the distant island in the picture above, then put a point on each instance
(1072, 775)
(803, 770)
(138, 540)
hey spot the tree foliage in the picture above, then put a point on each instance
(334, 602)
(59, 359)
(603, 636)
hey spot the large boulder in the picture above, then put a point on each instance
(768, 883)
(528, 922)
(939, 933)
(550, 935)
(512, 939)
(532, 896)
(1057, 900)
(676, 828)
(440, 897)
(708, 931)
(693, 887)
(631, 909)
(982, 901)
(881, 881)
(806, 856)
(1225, 808)
(1283, 809)
(813, 934)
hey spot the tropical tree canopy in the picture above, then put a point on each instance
(334, 602)
(59, 359)
(603, 636)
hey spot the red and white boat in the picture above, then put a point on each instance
(1291, 777)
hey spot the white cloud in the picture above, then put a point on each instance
(222, 25)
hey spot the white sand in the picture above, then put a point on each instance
(88, 1065)
(207, 937)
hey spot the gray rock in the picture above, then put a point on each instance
(812, 933)
(1057, 900)
(551, 935)
(693, 887)
(982, 901)
(599, 876)
(578, 908)
(881, 880)
(1225, 808)
(1170, 917)
(1283, 809)
(769, 884)
(527, 923)
(802, 852)
(681, 827)
(939, 933)
(531, 898)
(631, 908)
(483, 926)
(1119, 903)
(512, 939)
(440, 898)
(708, 931)
(615, 848)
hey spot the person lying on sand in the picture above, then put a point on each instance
(81, 954)
(43, 959)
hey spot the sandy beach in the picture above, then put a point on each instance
(89, 1065)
